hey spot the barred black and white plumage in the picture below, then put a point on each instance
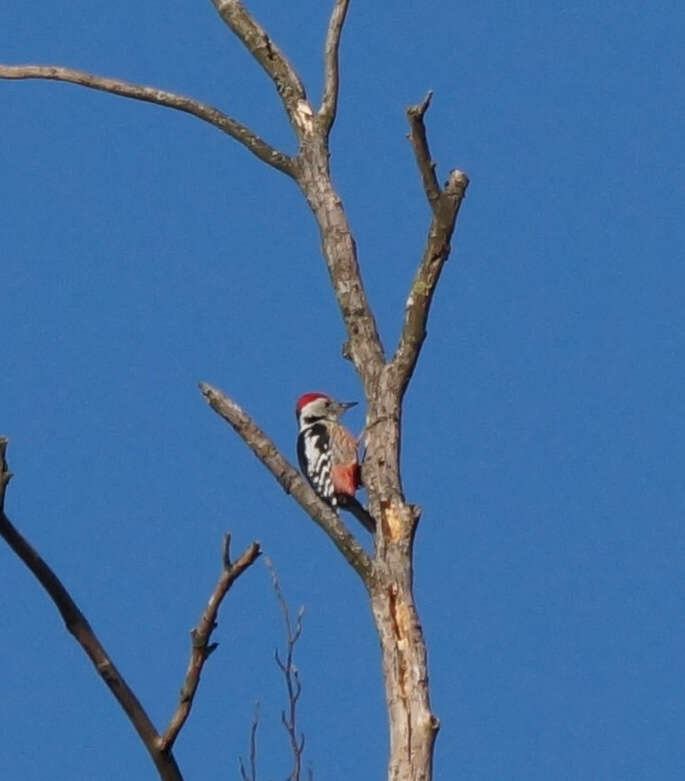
(314, 456)
(326, 451)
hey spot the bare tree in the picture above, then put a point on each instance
(387, 573)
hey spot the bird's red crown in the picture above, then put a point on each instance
(305, 398)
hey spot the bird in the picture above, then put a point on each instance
(326, 450)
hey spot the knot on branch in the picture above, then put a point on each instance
(210, 648)
(456, 184)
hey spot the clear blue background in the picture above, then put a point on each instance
(142, 250)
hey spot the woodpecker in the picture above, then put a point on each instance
(326, 450)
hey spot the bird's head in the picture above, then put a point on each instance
(315, 406)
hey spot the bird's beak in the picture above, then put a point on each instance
(347, 404)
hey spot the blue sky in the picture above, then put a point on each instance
(142, 251)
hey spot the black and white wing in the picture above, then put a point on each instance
(314, 456)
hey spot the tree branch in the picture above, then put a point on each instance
(363, 346)
(252, 776)
(5, 474)
(290, 479)
(214, 116)
(260, 45)
(291, 676)
(419, 142)
(445, 204)
(78, 626)
(201, 648)
(329, 102)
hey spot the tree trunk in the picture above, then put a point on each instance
(413, 727)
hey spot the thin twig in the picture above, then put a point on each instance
(445, 204)
(291, 481)
(253, 749)
(329, 102)
(5, 474)
(214, 116)
(200, 647)
(291, 675)
(78, 625)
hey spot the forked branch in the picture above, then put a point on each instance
(444, 203)
(79, 627)
(200, 647)
(260, 148)
(290, 479)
